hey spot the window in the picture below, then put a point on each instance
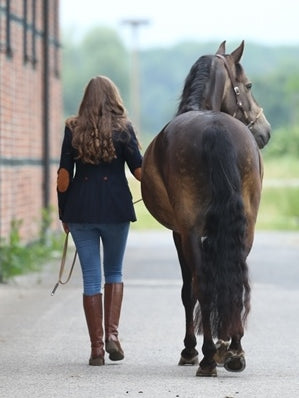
(5, 28)
(25, 31)
(56, 37)
(29, 31)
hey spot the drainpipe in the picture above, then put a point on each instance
(46, 106)
(45, 121)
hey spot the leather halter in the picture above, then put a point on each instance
(237, 94)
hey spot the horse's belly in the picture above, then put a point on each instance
(156, 200)
(154, 192)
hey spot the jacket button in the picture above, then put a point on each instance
(105, 178)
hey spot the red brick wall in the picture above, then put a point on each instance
(21, 118)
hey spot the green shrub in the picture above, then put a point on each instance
(17, 258)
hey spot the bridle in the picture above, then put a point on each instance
(236, 90)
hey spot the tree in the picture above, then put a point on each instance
(101, 52)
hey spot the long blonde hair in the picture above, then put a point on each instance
(100, 113)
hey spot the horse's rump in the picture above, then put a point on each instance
(175, 175)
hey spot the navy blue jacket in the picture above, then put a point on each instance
(98, 193)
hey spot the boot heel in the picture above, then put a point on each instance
(97, 361)
(114, 350)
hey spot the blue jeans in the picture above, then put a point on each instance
(87, 238)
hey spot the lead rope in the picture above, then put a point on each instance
(62, 265)
(136, 201)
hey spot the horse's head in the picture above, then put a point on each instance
(230, 92)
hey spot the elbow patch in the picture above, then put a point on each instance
(63, 180)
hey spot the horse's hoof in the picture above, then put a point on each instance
(221, 353)
(235, 362)
(206, 372)
(188, 361)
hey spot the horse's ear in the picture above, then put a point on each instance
(237, 54)
(221, 49)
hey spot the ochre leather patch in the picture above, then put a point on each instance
(63, 180)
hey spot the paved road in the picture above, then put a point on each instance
(44, 344)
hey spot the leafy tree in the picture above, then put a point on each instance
(100, 52)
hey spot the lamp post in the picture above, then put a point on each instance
(135, 24)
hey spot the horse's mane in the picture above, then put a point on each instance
(193, 93)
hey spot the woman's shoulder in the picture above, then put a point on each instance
(71, 123)
(130, 128)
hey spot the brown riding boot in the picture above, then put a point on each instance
(112, 303)
(93, 309)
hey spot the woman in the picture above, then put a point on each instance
(95, 204)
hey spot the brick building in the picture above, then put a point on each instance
(30, 112)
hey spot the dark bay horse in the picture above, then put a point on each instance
(202, 179)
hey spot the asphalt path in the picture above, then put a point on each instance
(44, 345)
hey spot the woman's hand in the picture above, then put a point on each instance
(65, 227)
(137, 174)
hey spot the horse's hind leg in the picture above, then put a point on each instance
(222, 345)
(229, 353)
(189, 355)
(235, 357)
(207, 366)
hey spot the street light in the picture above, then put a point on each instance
(135, 24)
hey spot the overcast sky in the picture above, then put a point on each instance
(170, 21)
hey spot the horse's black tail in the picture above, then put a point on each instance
(223, 276)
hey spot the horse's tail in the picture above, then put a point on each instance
(223, 277)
